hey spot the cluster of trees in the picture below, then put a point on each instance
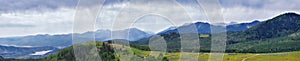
(1, 58)
(105, 51)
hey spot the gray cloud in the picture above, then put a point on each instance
(38, 5)
(111, 11)
(262, 4)
(56, 16)
(15, 25)
(10, 6)
(249, 10)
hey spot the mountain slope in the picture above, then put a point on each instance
(279, 26)
(272, 35)
(270, 45)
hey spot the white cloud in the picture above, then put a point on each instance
(18, 24)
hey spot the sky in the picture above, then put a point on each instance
(30, 17)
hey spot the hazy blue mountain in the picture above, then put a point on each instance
(25, 52)
(241, 26)
(201, 28)
(65, 40)
(133, 34)
(204, 28)
(39, 40)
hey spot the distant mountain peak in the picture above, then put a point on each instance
(289, 14)
(289, 17)
(134, 29)
(256, 21)
(278, 26)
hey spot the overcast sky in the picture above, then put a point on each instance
(30, 17)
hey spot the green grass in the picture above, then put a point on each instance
(204, 35)
(284, 56)
(287, 56)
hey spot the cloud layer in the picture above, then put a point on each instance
(12, 6)
(26, 17)
(248, 10)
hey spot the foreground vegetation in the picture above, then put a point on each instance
(107, 54)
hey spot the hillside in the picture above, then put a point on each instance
(279, 26)
(273, 35)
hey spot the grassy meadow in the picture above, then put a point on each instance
(283, 56)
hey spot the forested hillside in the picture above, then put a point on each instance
(279, 34)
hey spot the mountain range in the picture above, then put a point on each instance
(205, 28)
(134, 34)
(46, 42)
(66, 39)
(242, 37)
(279, 34)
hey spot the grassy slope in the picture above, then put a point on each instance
(287, 56)
(284, 56)
(290, 56)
